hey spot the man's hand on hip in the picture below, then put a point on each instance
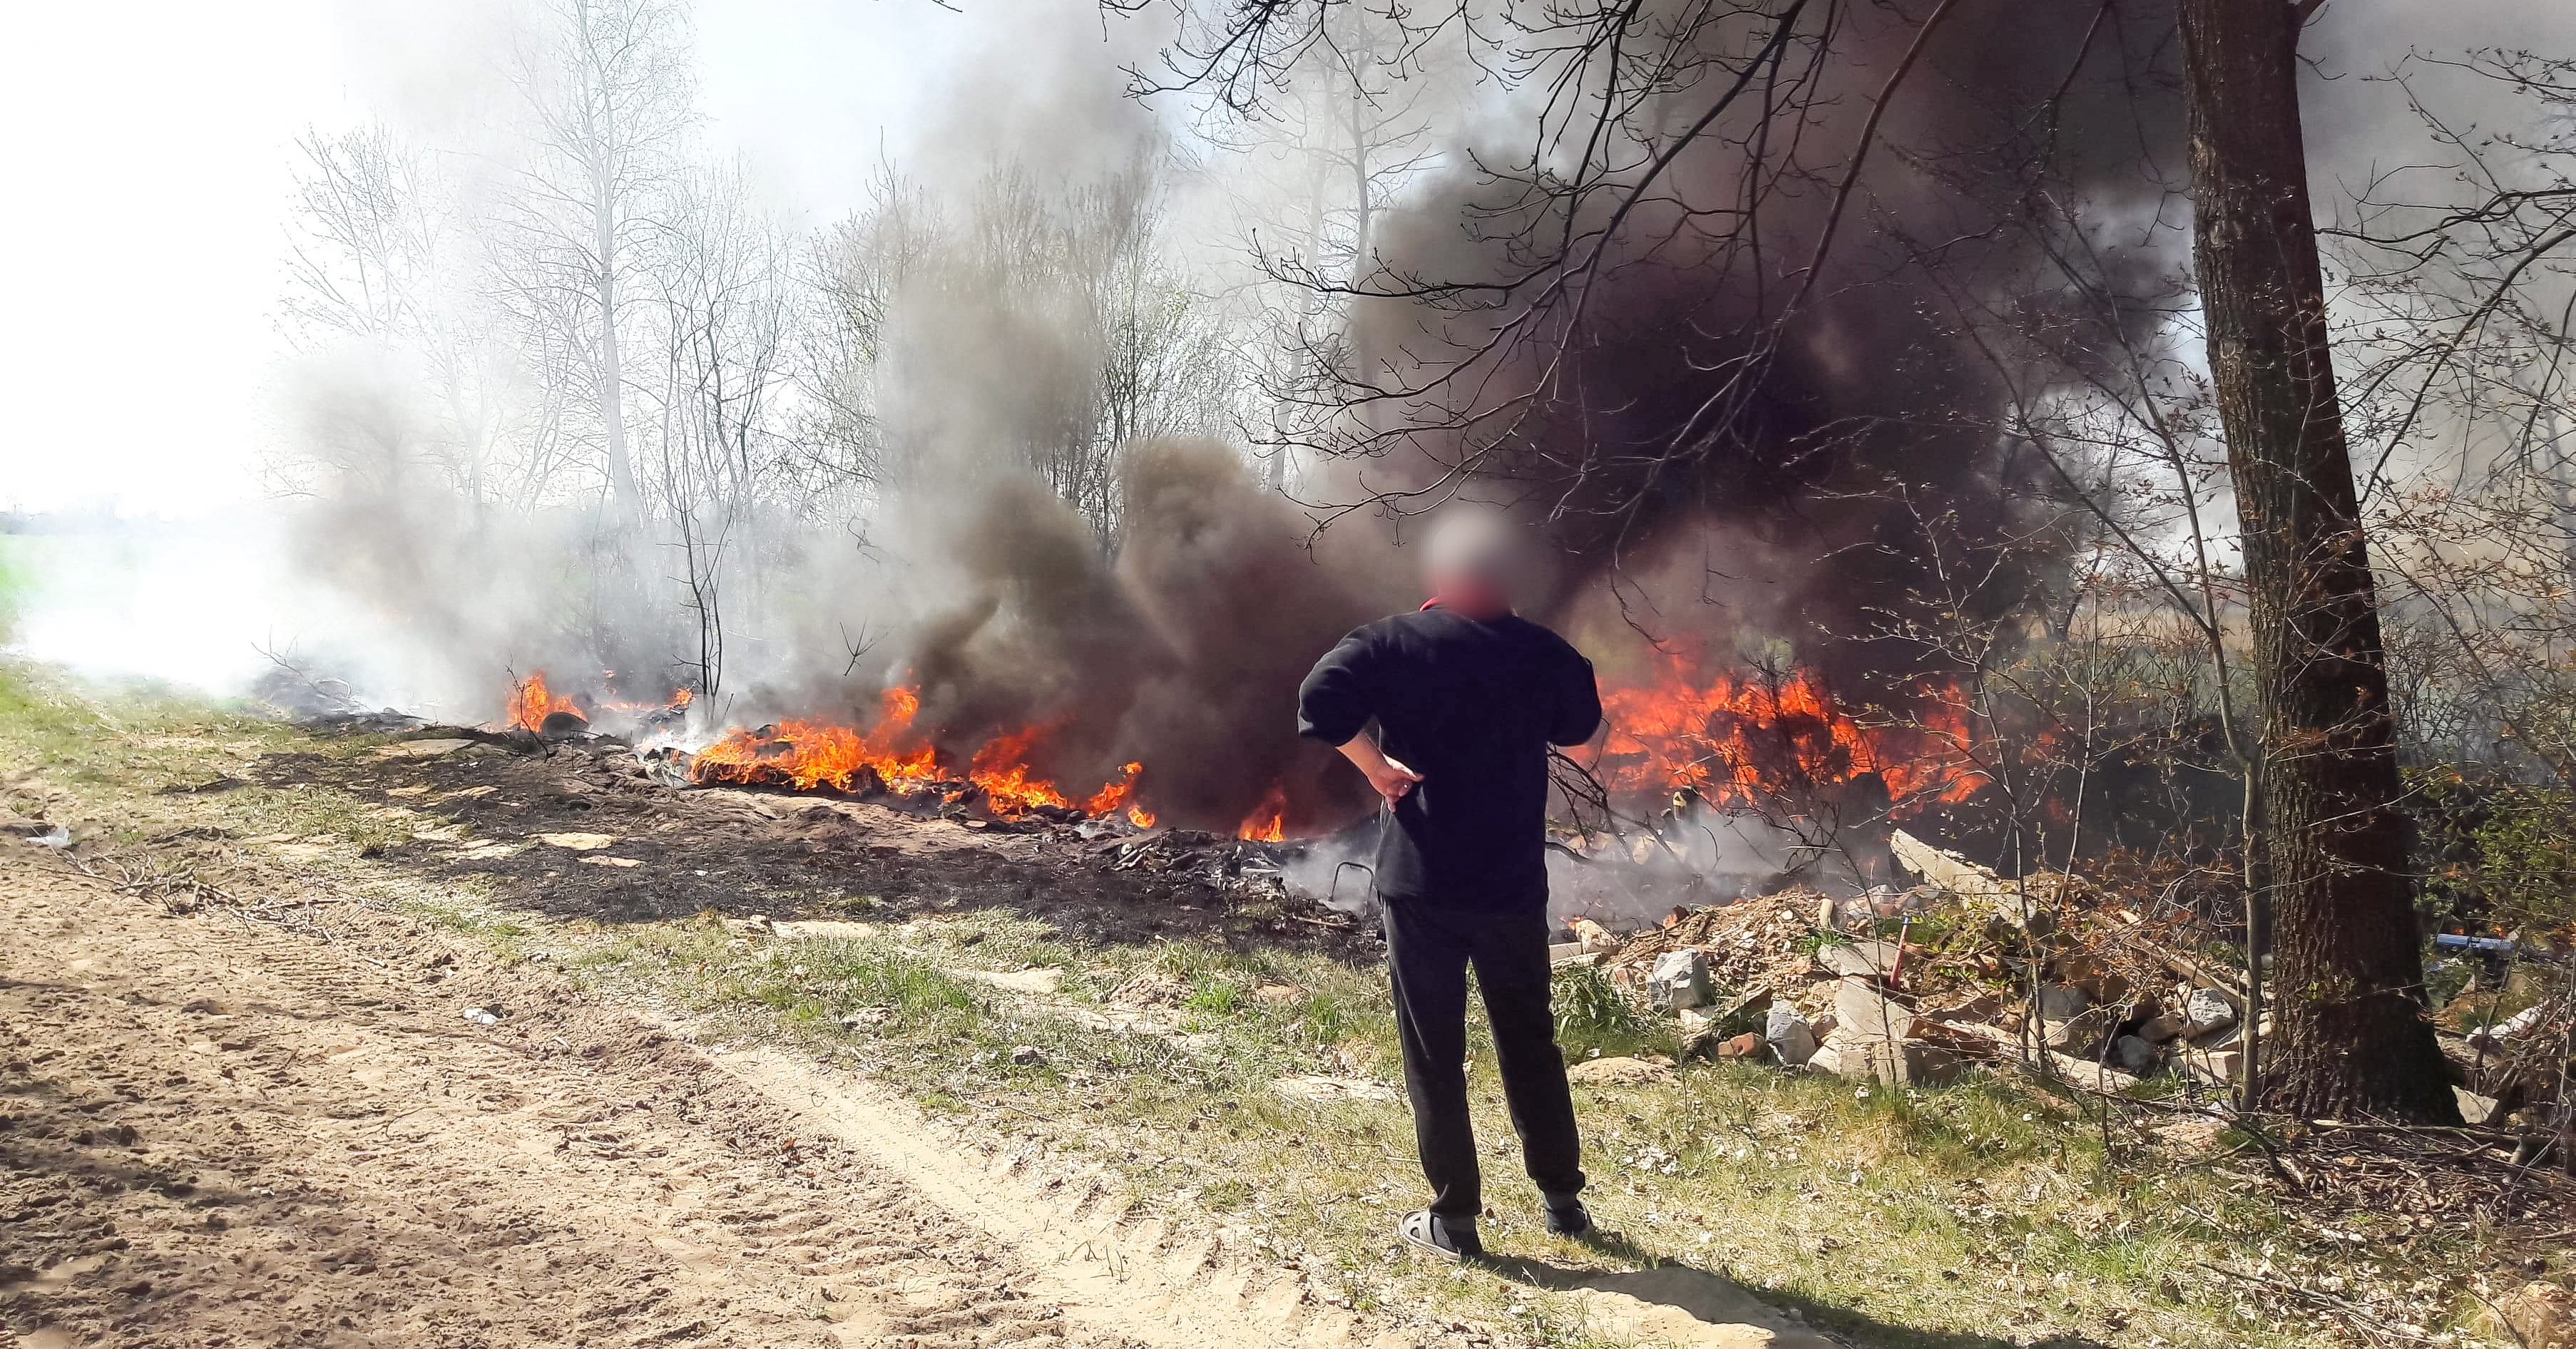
(1391, 777)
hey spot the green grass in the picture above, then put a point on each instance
(17, 580)
(1985, 1209)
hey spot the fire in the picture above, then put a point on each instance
(1743, 741)
(896, 754)
(678, 702)
(1001, 768)
(531, 703)
(811, 754)
(1118, 794)
(1268, 821)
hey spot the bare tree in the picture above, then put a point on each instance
(725, 309)
(608, 93)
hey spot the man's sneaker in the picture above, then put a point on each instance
(1569, 1219)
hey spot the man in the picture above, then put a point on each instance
(1467, 696)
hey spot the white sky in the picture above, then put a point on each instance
(149, 150)
(148, 163)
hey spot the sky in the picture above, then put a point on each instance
(150, 154)
(150, 159)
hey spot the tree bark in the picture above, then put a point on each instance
(2350, 1038)
(623, 489)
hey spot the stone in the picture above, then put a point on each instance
(1985, 1008)
(1618, 1072)
(1903, 1063)
(2135, 1054)
(1789, 1035)
(1679, 980)
(2063, 1002)
(2474, 1109)
(1860, 959)
(2082, 1036)
(2208, 1010)
(2159, 1029)
(2012, 906)
(2086, 1073)
(2218, 1067)
(1278, 994)
(1862, 1014)
(1828, 1059)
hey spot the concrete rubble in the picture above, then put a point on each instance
(1915, 988)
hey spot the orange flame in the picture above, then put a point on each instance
(811, 754)
(1001, 768)
(1268, 821)
(1738, 741)
(679, 700)
(1118, 794)
(531, 703)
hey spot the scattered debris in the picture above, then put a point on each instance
(484, 1016)
(1028, 1056)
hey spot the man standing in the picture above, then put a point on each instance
(1467, 696)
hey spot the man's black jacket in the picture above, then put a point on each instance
(1471, 706)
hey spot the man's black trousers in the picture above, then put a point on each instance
(1428, 949)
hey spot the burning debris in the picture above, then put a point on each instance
(539, 710)
(1747, 741)
(895, 758)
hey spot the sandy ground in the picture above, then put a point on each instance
(220, 1133)
(216, 1135)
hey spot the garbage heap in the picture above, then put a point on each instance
(2044, 969)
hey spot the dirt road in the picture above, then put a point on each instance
(220, 1134)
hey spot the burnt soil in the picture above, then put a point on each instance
(741, 852)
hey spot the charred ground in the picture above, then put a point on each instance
(483, 810)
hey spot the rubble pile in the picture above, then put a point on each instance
(2044, 970)
(2047, 972)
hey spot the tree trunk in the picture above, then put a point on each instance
(2350, 1037)
(627, 497)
